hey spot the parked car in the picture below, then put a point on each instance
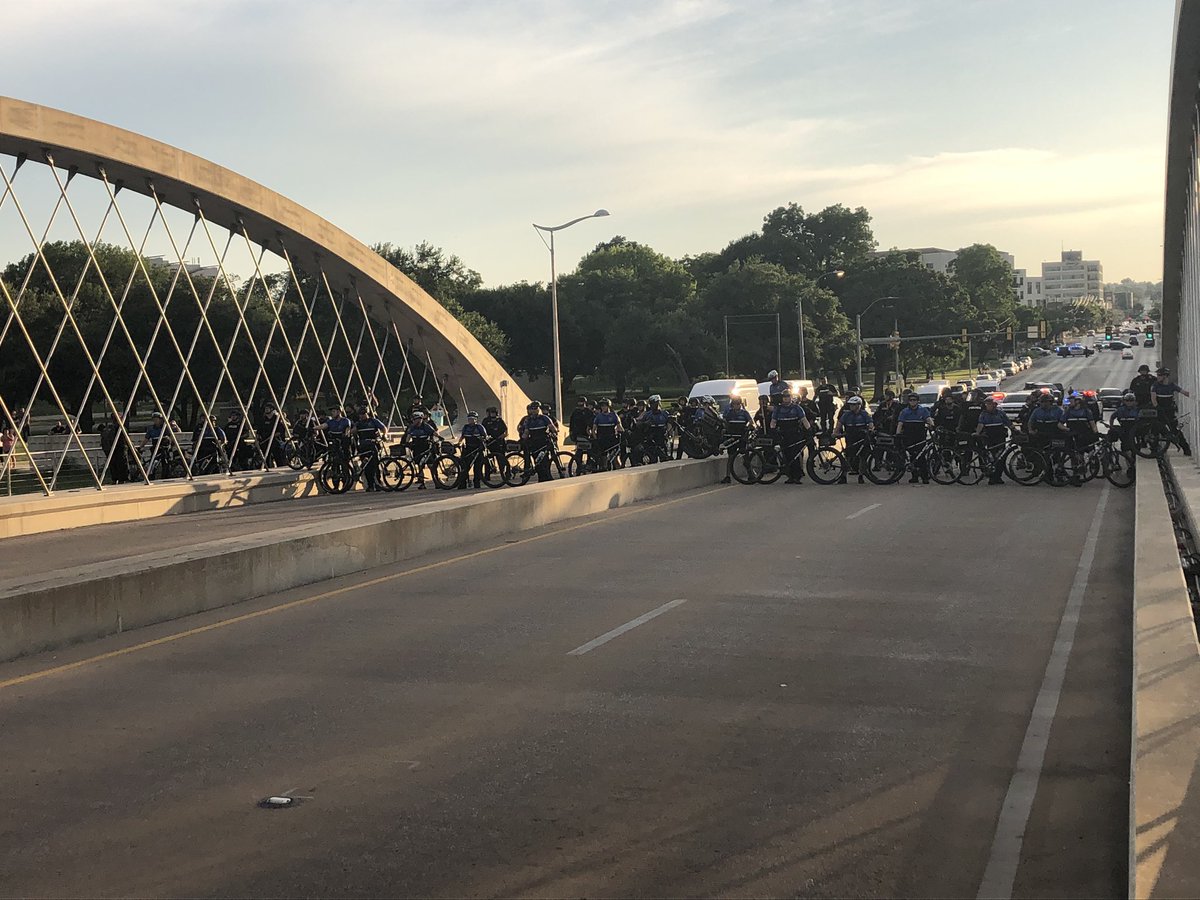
(1010, 367)
(1026, 361)
(987, 384)
(967, 383)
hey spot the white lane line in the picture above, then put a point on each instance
(621, 629)
(865, 509)
(1007, 844)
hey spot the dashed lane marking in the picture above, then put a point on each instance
(865, 509)
(337, 592)
(628, 626)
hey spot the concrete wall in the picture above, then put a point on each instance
(36, 514)
(74, 605)
(1164, 804)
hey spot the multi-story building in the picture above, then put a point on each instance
(936, 258)
(1028, 288)
(1072, 278)
(1119, 298)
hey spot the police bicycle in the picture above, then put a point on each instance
(1016, 459)
(587, 458)
(305, 452)
(1155, 434)
(940, 461)
(449, 468)
(520, 467)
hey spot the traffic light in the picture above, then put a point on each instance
(1108, 332)
(894, 344)
(1008, 333)
(964, 337)
(1150, 332)
(1042, 330)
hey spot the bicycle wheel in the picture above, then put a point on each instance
(1150, 444)
(294, 455)
(446, 469)
(1025, 465)
(886, 467)
(396, 474)
(944, 466)
(1093, 464)
(1063, 468)
(772, 465)
(515, 473)
(971, 467)
(826, 465)
(1120, 467)
(745, 467)
(493, 473)
(336, 476)
(565, 465)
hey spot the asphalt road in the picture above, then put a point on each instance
(836, 708)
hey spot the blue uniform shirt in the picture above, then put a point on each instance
(911, 415)
(1077, 415)
(738, 419)
(154, 432)
(536, 428)
(421, 431)
(855, 419)
(656, 418)
(1126, 415)
(788, 416)
(1165, 391)
(475, 434)
(606, 421)
(337, 426)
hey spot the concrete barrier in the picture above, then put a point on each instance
(1164, 804)
(35, 514)
(74, 605)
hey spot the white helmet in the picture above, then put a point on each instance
(772, 374)
(654, 398)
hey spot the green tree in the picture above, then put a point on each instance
(987, 278)
(447, 279)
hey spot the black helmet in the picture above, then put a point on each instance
(491, 409)
(1144, 368)
(1163, 371)
(533, 406)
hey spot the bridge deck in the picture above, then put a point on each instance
(836, 709)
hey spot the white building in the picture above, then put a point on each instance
(936, 258)
(1072, 278)
(1028, 288)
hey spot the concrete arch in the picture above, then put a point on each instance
(271, 220)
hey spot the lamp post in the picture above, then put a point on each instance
(858, 331)
(835, 273)
(550, 229)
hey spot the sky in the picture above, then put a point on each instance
(1033, 126)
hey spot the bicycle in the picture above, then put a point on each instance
(1119, 467)
(520, 467)
(941, 463)
(586, 459)
(449, 468)
(1016, 459)
(304, 453)
(1155, 435)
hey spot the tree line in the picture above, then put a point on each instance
(630, 315)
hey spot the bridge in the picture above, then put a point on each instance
(641, 682)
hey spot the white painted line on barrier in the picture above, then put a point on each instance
(865, 509)
(1005, 855)
(628, 626)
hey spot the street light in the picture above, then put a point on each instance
(836, 273)
(858, 330)
(600, 213)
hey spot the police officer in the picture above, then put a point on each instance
(1031, 403)
(655, 420)
(789, 422)
(1162, 395)
(738, 423)
(497, 436)
(537, 432)
(946, 413)
(857, 426)
(911, 426)
(811, 411)
(1122, 424)
(1142, 387)
(971, 410)
(1080, 422)
(826, 396)
(992, 429)
(369, 431)
(886, 415)
(776, 388)
(473, 438)
(606, 433)
(628, 417)
(418, 438)
(1046, 422)
(581, 420)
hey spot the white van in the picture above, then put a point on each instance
(764, 387)
(930, 391)
(724, 389)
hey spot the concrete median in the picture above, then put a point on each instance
(81, 604)
(129, 502)
(1164, 804)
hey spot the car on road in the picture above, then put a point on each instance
(723, 389)
(1038, 385)
(1110, 397)
(967, 383)
(1013, 401)
(1027, 361)
(1100, 345)
(1010, 367)
(1148, 342)
(1076, 350)
(1040, 351)
(987, 384)
(1133, 340)
(1126, 353)
(1118, 345)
